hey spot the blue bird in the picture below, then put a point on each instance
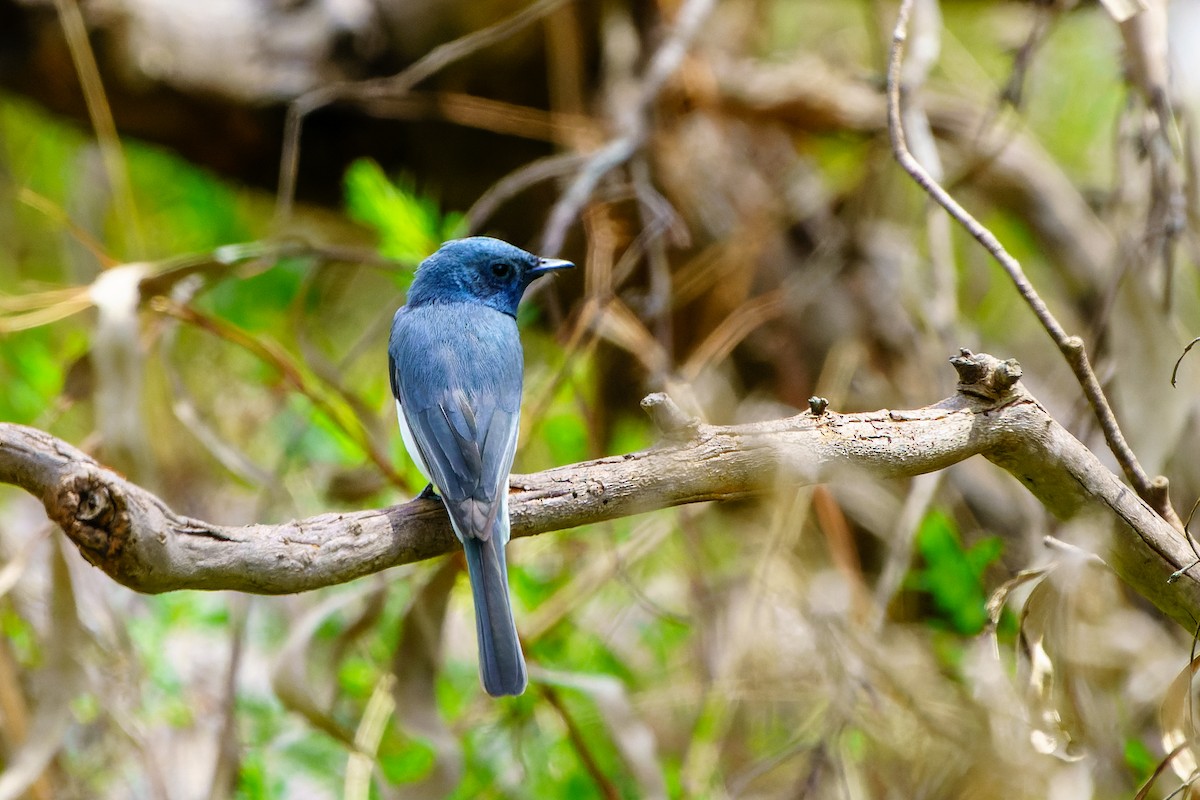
(456, 370)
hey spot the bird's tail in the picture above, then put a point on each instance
(501, 664)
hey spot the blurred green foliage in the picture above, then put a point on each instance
(409, 225)
(258, 301)
(951, 574)
(32, 370)
(1140, 759)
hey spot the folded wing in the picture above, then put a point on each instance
(456, 372)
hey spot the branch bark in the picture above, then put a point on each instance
(140, 542)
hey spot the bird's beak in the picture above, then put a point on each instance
(549, 265)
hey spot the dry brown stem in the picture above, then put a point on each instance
(390, 88)
(1072, 347)
(633, 122)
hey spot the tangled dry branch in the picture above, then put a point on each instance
(1072, 347)
(139, 541)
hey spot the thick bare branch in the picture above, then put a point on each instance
(139, 541)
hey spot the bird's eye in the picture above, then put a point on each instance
(501, 270)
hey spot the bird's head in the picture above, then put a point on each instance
(479, 270)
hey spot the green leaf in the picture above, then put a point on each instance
(1140, 760)
(317, 756)
(410, 226)
(567, 437)
(953, 575)
(406, 761)
(32, 367)
(253, 781)
(21, 637)
(358, 676)
(181, 208)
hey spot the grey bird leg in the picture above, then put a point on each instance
(428, 493)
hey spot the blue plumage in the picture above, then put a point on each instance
(456, 370)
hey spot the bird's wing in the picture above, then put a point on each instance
(456, 371)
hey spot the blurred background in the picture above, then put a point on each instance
(201, 299)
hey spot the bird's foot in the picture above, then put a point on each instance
(428, 493)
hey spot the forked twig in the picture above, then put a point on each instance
(1153, 491)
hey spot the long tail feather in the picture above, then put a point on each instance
(501, 664)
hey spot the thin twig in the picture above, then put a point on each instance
(1072, 347)
(516, 181)
(579, 743)
(663, 64)
(942, 310)
(111, 153)
(1044, 21)
(354, 427)
(58, 215)
(394, 86)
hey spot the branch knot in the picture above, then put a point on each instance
(91, 514)
(669, 418)
(985, 376)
